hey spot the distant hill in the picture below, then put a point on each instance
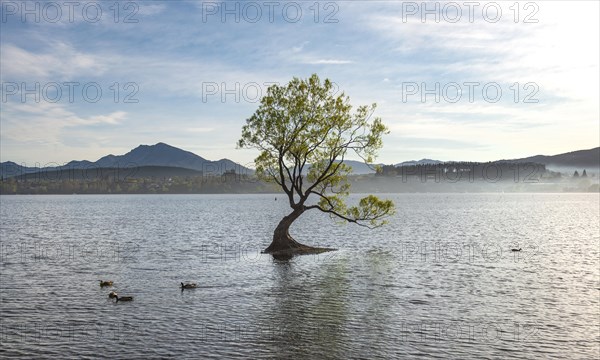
(168, 158)
(9, 168)
(360, 168)
(122, 173)
(158, 155)
(574, 159)
(419, 162)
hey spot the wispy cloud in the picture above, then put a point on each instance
(57, 61)
(329, 62)
(43, 122)
(150, 9)
(200, 129)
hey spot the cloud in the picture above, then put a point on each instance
(200, 129)
(547, 52)
(151, 9)
(329, 62)
(43, 122)
(299, 48)
(171, 54)
(59, 62)
(113, 118)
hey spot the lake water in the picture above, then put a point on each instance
(439, 281)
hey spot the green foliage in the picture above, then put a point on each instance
(303, 132)
(372, 209)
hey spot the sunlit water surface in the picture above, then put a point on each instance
(439, 281)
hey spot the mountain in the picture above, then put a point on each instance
(168, 157)
(359, 167)
(161, 155)
(580, 159)
(419, 162)
(10, 168)
(575, 159)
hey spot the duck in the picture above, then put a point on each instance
(104, 283)
(112, 294)
(123, 298)
(189, 286)
(519, 249)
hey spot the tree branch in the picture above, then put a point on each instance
(333, 212)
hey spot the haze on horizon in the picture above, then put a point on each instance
(189, 74)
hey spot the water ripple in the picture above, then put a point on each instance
(439, 282)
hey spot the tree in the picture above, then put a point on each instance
(303, 133)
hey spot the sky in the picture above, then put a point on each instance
(476, 81)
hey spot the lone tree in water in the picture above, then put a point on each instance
(304, 132)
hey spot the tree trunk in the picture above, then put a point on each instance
(282, 241)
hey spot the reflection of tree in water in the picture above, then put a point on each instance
(309, 310)
(373, 304)
(329, 312)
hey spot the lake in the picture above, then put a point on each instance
(439, 281)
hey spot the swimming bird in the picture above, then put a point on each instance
(189, 286)
(104, 283)
(124, 298)
(519, 249)
(112, 294)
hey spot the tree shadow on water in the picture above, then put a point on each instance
(307, 312)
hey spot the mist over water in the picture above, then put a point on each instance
(440, 280)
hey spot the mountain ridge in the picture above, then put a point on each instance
(165, 155)
(578, 158)
(159, 154)
(419, 162)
